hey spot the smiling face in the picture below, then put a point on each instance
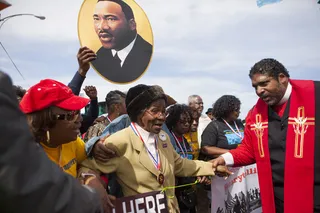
(67, 126)
(153, 117)
(111, 25)
(270, 89)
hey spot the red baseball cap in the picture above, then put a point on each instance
(48, 93)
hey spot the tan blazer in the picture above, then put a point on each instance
(135, 170)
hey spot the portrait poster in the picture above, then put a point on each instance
(120, 34)
(238, 193)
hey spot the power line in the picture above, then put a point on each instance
(12, 61)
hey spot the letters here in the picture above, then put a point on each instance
(151, 202)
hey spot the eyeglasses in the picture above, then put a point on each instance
(70, 116)
(187, 121)
(156, 113)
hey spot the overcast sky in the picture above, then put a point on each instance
(204, 47)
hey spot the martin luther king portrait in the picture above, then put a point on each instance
(124, 55)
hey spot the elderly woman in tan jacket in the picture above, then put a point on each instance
(146, 160)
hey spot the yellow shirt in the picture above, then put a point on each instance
(192, 138)
(68, 155)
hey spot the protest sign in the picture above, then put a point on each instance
(239, 193)
(151, 202)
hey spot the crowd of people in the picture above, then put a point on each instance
(145, 119)
(146, 141)
(76, 143)
(55, 159)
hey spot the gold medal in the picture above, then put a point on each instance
(161, 178)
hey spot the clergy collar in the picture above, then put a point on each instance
(287, 94)
(125, 51)
(144, 134)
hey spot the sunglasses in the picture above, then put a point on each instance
(70, 116)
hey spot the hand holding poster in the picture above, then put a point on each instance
(151, 202)
(239, 193)
(120, 34)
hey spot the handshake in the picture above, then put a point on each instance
(219, 167)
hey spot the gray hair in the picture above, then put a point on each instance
(191, 98)
(114, 97)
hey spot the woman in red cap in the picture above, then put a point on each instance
(53, 113)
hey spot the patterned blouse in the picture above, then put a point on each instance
(96, 130)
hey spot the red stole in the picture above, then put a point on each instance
(299, 159)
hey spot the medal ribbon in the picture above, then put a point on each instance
(238, 131)
(184, 152)
(108, 119)
(155, 160)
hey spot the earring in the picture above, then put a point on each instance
(48, 137)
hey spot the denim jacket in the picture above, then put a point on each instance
(116, 125)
